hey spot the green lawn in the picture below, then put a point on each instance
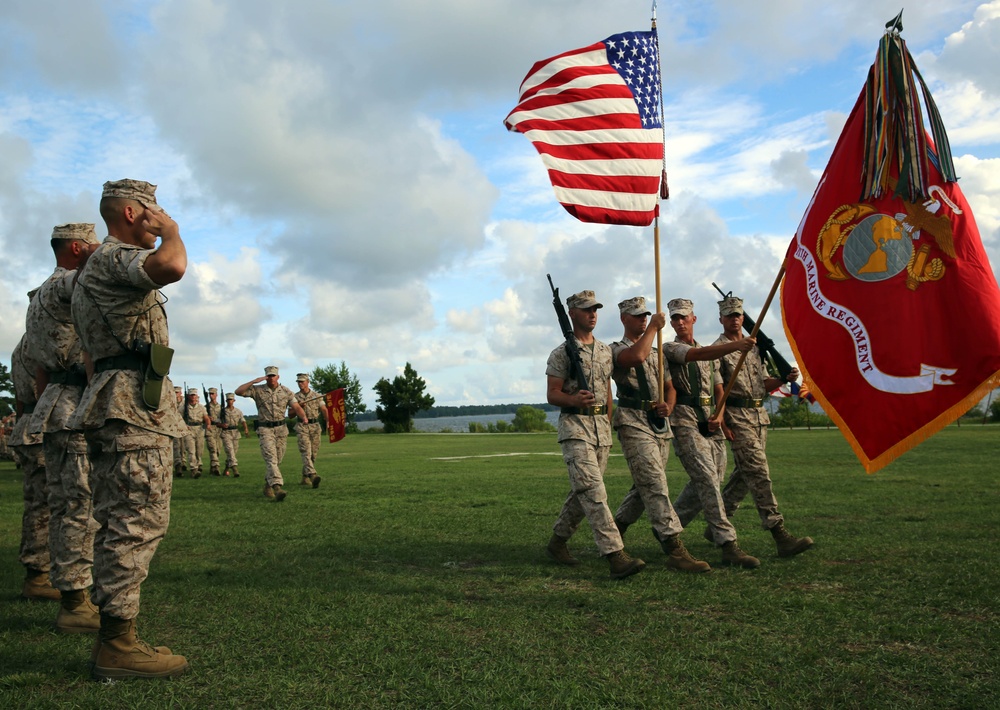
(415, 576)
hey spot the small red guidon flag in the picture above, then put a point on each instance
(336, 414)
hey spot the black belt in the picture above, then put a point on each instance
(270, 425)
(594, 411)
(700, 401)
(743, 402)
(216, 423)
(630, 403)
(125, 361)
(75, 377)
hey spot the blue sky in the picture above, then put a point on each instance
(347, 191)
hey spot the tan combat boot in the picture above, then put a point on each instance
(215, 471)
(788, 544)
(236, 472)
(315, 481)
(77, 615)
(268, 491)
(558, 552)
(37, 587)
(96, 648)
(124, 655)
(679, 558)
(622, 565)
(279, 493)
(306, 481)
(733, 555)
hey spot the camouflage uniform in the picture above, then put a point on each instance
(704, 458)
(55, 345)
(213, 436)
(233, 421)
(586, 443)
(308, 435)
(194, 416)
(645, 450)
(748, 421)
(28, 453)
(271, 429)
(130, 445)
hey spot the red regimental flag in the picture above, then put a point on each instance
(336, 414)
(890, 306)
(594, 116)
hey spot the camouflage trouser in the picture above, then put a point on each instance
(178, 452)
(72, 526)
(231, 442)
(214, 441)
(131, 476)
(647, 459)
(35, 519)
(587, 497)
(196, 437)
(273, 441)
(704, 459)
(751, 474)
(308, 439)
(187, 446)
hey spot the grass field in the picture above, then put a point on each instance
(415, 576)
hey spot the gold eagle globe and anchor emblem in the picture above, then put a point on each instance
(875, 246)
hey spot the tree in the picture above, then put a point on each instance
(331, 377)
(400, 399)
(7, 388)
(530, 419)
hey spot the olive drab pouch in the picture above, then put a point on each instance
(157, 367)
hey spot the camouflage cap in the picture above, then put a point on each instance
(213, 390)
(730, 305)
(302, 377)
(192, 391)
(77, 231)
(271, 370)
(230, 396)
(680, 307)
(584, 299)
(128, 189)
(179, 389)
(635, 306)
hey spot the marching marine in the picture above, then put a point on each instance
(747, 420)
(231, 421)
(197, 422)
(273, 400)
(308, 435)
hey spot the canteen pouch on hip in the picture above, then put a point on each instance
(158, 358)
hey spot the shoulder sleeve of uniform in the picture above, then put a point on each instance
(676, 352)
(558, 363)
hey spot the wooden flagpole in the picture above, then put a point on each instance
(664, 195)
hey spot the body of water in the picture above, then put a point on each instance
(458, 424)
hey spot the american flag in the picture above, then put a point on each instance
(593, 114)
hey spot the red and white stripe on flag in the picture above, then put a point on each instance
(594, 116)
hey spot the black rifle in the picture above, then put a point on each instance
(572, 349)
(204, 393)
(185, 403)
(222, 407)
(768, 353)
